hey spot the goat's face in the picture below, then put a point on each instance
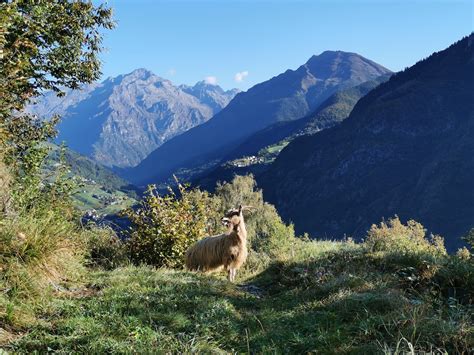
(233, 217)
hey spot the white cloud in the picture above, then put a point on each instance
(211, 80)
(240, 76)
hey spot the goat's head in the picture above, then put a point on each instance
(235, 215)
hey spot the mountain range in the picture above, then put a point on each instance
(267, 143)
(120, 121)
(406, 149)
(286, 97)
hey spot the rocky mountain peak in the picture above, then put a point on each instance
(120, 121)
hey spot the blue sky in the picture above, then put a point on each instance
(241, 43)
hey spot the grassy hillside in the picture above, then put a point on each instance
(327, 297)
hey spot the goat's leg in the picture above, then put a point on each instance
(233, 273)
(229, 271)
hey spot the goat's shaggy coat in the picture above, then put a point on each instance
(228, 250)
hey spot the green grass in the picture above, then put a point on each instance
(276, 148)
(323, 297)
(93, 196)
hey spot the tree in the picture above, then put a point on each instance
(48, 45)
(44, 45)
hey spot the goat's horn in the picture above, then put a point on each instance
(248, 207)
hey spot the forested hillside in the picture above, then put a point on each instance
(256, 153)
(96, 191)
(406, 149)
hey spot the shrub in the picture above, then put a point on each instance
(163, 227)
(266, 231)
(105, 249)
(469, 238)
(463, 253)
(455, 279)
(394, 236)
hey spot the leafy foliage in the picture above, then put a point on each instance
(163, 227)
(394, 236)
(469, 238)
(46, 45)
(25, 154)
(266, 231)
(463, 253)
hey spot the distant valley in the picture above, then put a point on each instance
(98, 192)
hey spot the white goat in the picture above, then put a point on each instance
(228, 250)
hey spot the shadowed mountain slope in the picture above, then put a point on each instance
(330, 113)
(267, 143)
(406, 149)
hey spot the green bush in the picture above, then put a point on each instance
(163, 227)
(455, 279)
(463, 253)
(469, 238)
(267, 232)
(395, 237)
(105, 249)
